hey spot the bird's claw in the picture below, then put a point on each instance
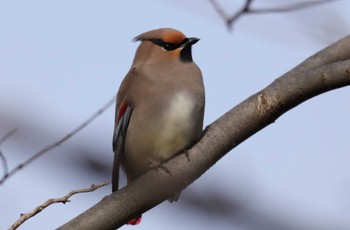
(157, 165)
(187, 154)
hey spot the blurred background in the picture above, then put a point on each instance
(60, 61)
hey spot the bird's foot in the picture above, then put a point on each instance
(187, 154)
(158, 165)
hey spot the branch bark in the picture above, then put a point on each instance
(327, 70)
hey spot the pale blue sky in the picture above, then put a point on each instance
(62, 60)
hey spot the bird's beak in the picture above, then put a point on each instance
(190, 42)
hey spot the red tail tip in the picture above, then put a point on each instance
(135, 221)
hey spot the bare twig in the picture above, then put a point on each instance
(296, 6)
(9, 134)
(219, 10)
(230, 19)
(2, 156)
(57, 143)
(247, 9)
(64, 199)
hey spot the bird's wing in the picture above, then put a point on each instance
(122, 121)
(123, 115)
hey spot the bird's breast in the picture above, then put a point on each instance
(172, 126)
(177, 125)
(180, 109)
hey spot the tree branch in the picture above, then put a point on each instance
(247, 9)
(296, 6)
(2, 156)
(64, 199)
(326, 70)
(56, 143)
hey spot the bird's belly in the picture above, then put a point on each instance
(161, 136)
(176, 132)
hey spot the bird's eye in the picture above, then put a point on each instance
(167, 46)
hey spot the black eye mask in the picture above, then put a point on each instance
(167, 45)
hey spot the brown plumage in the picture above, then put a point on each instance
(160, 104)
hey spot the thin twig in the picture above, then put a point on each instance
(247, 9)
(296, 6)
(64, 199)
(59, 142)
(2, 156)
(230, 19)
(219, 10)
(6, 136)
(244, 10)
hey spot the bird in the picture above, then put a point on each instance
(159, 106)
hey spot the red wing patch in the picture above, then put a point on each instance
(121, 110)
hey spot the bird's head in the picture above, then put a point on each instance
(166, 43)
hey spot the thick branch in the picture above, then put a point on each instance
(324, 71)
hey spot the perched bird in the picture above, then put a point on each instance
(160, 105)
